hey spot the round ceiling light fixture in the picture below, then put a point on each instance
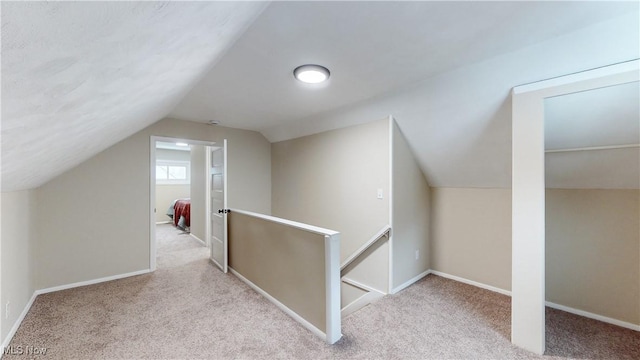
(311, 74)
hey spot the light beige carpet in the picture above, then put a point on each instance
(188, 309)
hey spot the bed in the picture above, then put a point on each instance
(180, 212)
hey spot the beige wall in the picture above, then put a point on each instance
(592, 244)
(331, 180)
(18, 264)
(471, 234)
(173, 155)
(198, 192)
(410, 209)
(165, 195)
(286, 262)
(593, 251)
(94, 218)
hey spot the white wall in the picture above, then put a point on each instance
(94, 219)
(331, 180)
(410, 213)
(18, 263)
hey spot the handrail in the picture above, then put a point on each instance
(384, 231)
(291, 223)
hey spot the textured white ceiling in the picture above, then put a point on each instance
(78, 77)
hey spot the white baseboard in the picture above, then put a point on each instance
(163, 222)
(27, 307)
(281, 306)
(589, 315)
(568, 309)
(17, 324)
(410, 282)
(471, 282)
(360, 302)
(361, 285)
(197, 238)
(91, 282)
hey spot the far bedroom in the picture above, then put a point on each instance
(173, 185)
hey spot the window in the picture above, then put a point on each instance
(172, 172)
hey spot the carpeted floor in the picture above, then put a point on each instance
(188, 309)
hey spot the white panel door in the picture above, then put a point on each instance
(218, 213)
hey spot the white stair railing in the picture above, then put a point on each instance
(384, 232)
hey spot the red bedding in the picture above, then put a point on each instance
(182, 208)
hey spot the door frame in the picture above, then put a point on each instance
(528, 193)
(209, 206)
(152, 188)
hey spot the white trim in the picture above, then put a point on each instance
(410, 282)
(198, 239)
(92, 282)
(592, 148)
(471, 282)
(332, 288)
(360, 285)
(609, 71)
(215, 262)
(152, 203)
(589, 315)
(281, 306)
(176, 163)
(528, 200)
(550, 304)
(390, 234)
(163, 222)
(361, 302)
(207, 194)
(152, 188)
(294, 224)
(225, 216)
(17, 324)
(27, 307)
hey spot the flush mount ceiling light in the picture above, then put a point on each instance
(311, 74)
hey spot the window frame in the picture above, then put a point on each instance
(174, 163)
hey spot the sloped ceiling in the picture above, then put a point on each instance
(79, 77)
(593, 138)
(444, 70)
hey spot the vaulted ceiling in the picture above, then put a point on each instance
(79, 77)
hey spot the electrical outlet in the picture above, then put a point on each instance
(417, 254)
(6, 310)
(379, 193)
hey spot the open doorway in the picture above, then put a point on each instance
(592, 179)
(528, 193)
(179, 193)
(173, 184)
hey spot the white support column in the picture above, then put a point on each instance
(528, 202)
(332, 283)
(528, 227)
